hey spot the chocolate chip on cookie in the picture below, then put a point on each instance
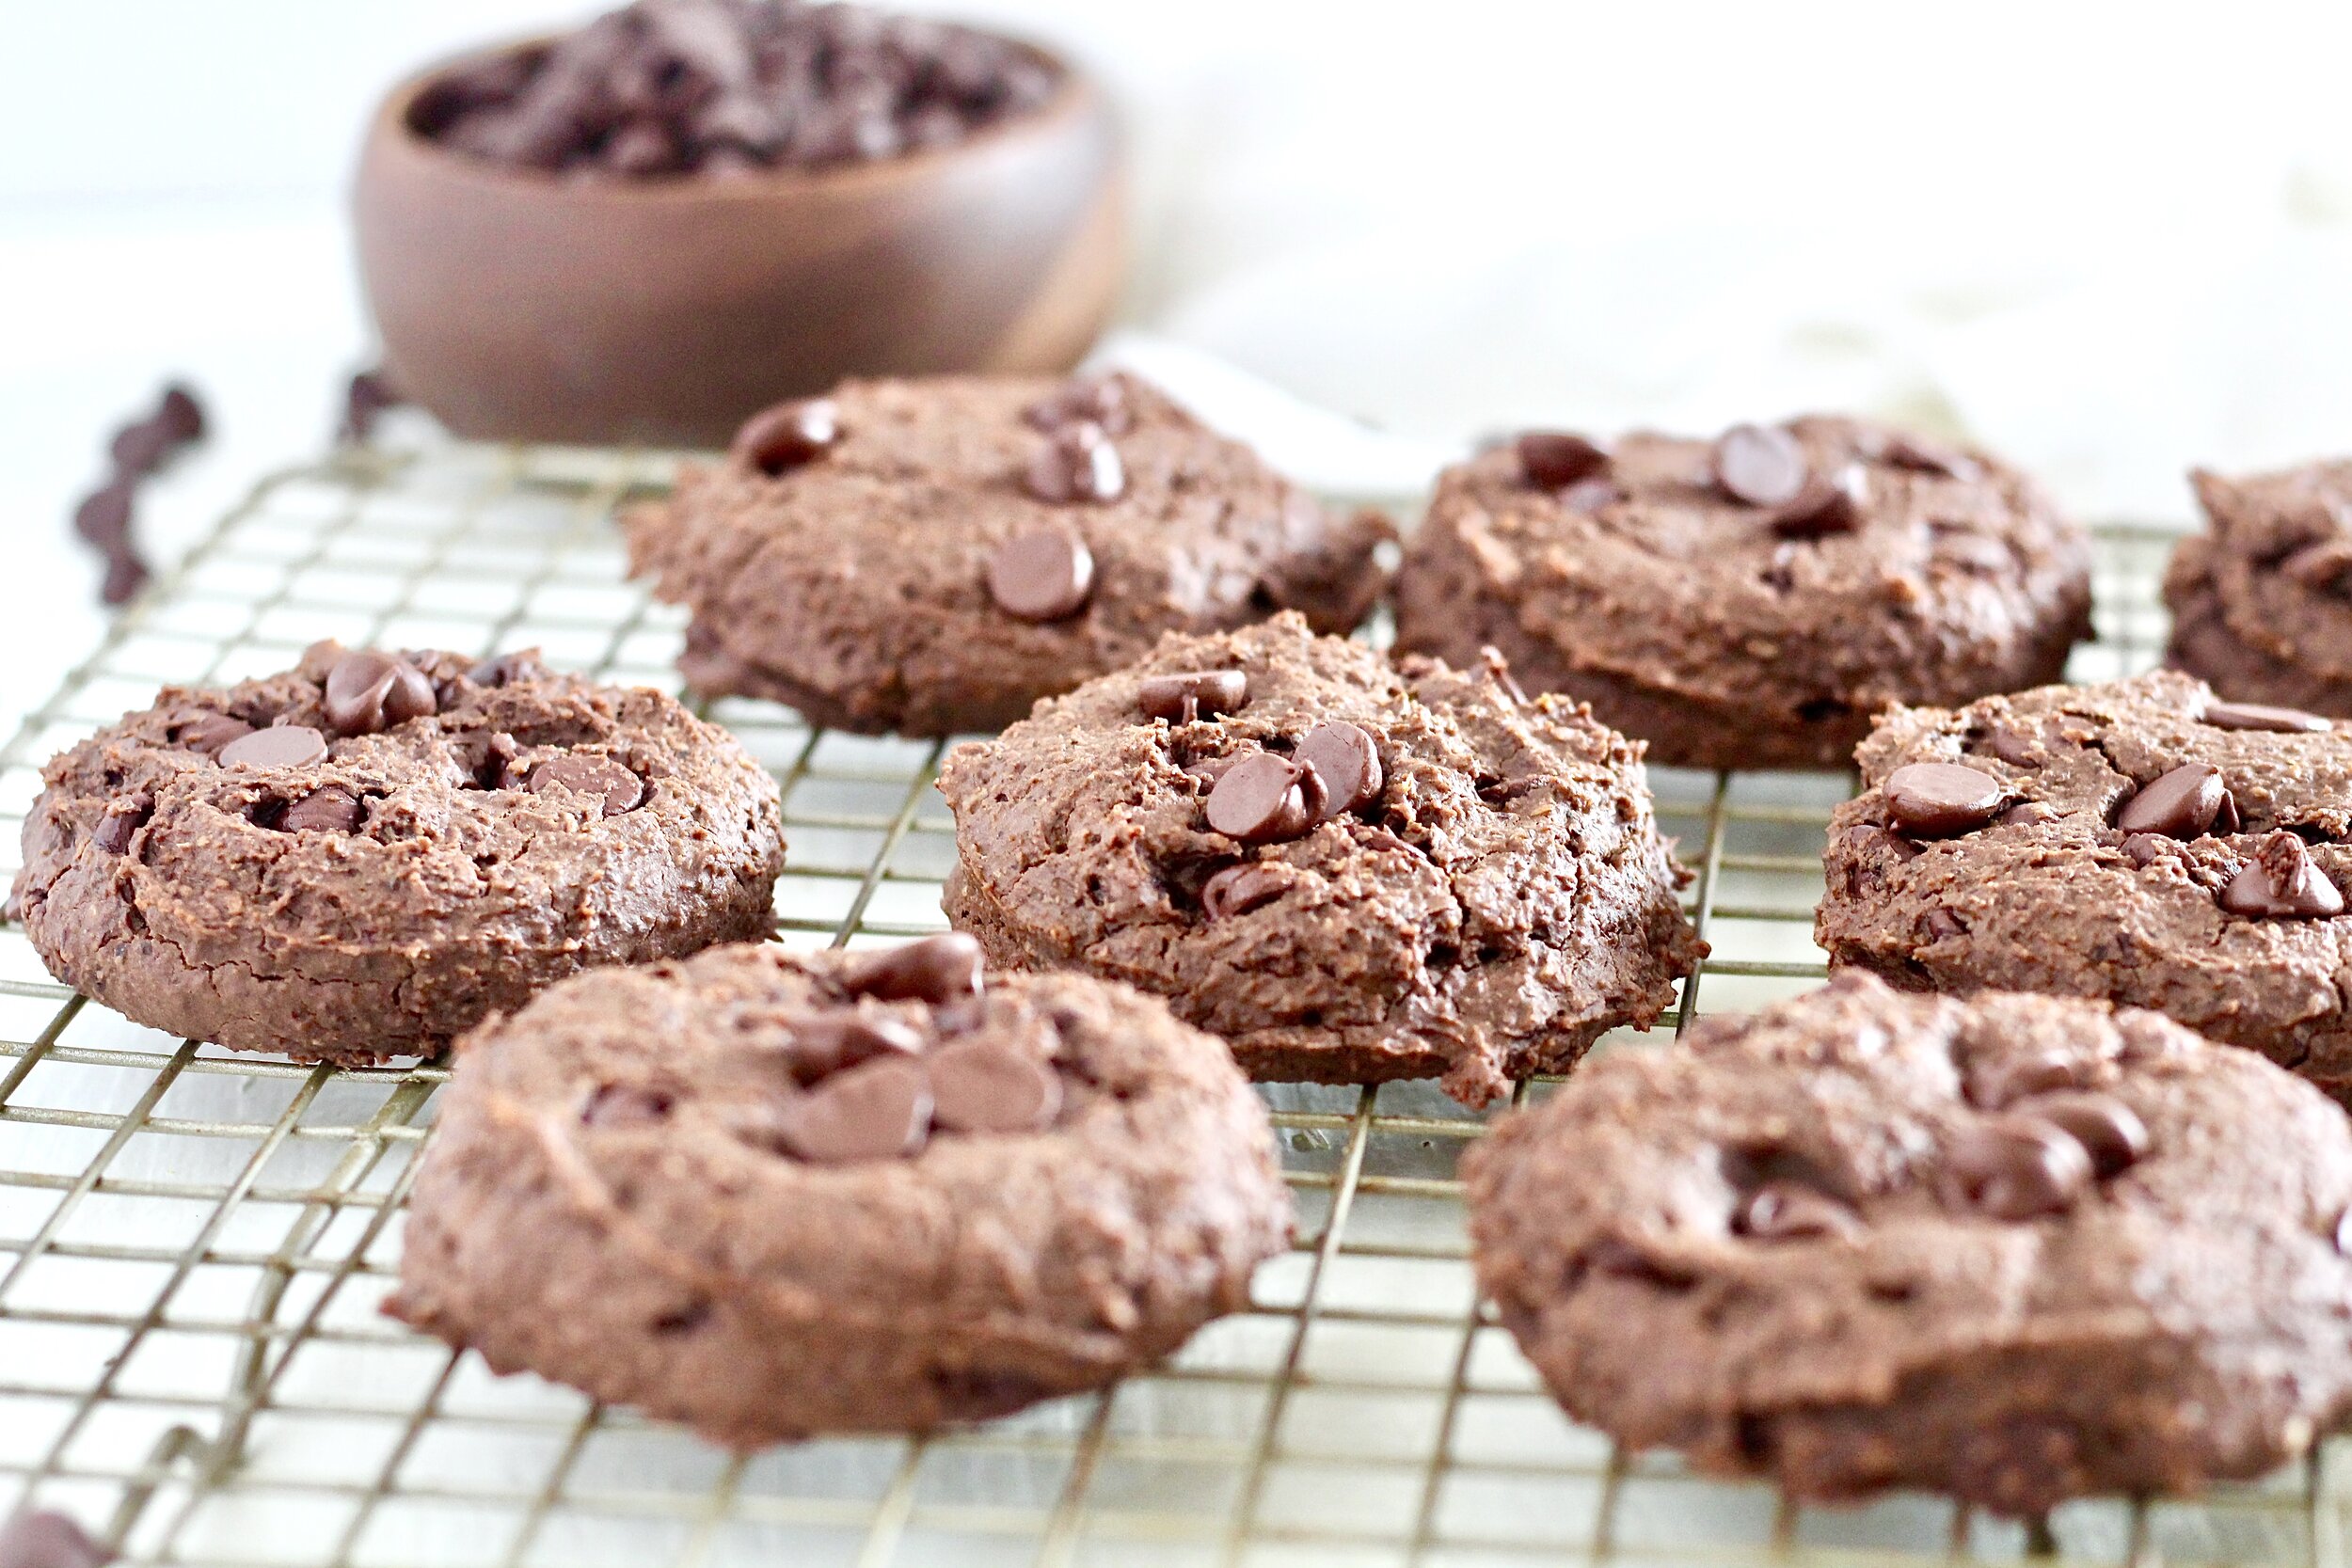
(1554, 459)
(1185, 696)
(777, 441)
(1939, 800)
(1045, 574)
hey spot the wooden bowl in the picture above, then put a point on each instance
(513, 303)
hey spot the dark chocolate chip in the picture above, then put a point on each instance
(180, 415)
(369, 690)
(2253, 715)
(1826, 504)
(627, 1106)
(1588, 495)
(1942, 925)
(2109, 1131)
(1759, 465)
(826, 1043)
(1076, 462)
(104, 518)
(622, 789)
(1260, 799)
(1096, 400)
(877, 1110)
(2030, 814)
(1348, 762)
(2014, 747)
(1925, 456)
(1044, 576)
(1994, 1082)
(1790, 1211)
(2181, 804)
(1239, 889)
(937, 969)
(984, 1086)
(1552, 459)
(124, 818)
(1187, 695)
(280, 745)
(777, 441)
(2145, 849)
(49, 1540)
(331, 808)
(1940, 799)
(2015, 1167)
(210, 732)
(2281, 883)
(522, 664)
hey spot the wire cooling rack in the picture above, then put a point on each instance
(192, 1243)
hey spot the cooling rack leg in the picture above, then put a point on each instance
(179, 1443)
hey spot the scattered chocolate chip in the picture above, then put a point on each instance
(1826, 504)
(522, 664)
(622, 789)
(1588, 495)
(2030, 814)
(2015, 1167)
(367, 399)
(1940, 799)
(1923, 454)
(2014, 747)
(1046, 576)
(627, 1106)
(1187, 695)
(1348, 762)
(982, 1086)
(1262, 798)
(49, 1540)
(1790, 1211)
(1995, 1082)
(368, 690)
(937, 969)
(280, 745)
(824, 1043)
(1759, 465)
(1084, 400)
(1239, 889)
(2109, 1131)
(210, 732)
(877, 1110)
(2253, 715)
(1076, 462)
(124, 818)
(331, 808)
(2145, 849)
(2181, 804)
(2281, 882)
(777, 441)
(1552, 459)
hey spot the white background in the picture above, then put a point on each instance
(2112, 239)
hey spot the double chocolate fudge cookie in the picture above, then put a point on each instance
(1749, 601)
(1353, 869)
(769, 1194)
(361, 857)
(2142, 842)
(2018, 1248)
(2261, 605)
(934, 556)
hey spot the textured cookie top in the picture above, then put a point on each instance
(1296, 837)
(1827, 556)
(2278, 556)
(879, 1137)
(901, 542)
(1813, 1205)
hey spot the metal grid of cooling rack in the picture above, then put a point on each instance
(192, 1243)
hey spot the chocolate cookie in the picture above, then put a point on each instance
(2140, 841)
(1353, 869)
(361, 857)
(2018, 1248)
(1750, 601)
(769, 1195)
(934, 556)
(2261, 605)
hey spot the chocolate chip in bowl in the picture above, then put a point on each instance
(651, 228)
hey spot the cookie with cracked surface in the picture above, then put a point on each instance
(2016, 1248)
(932, 556)
(1749, 601)
(770, 1195)
(2262, 602)
(1354, 868)
(361, 857)
(2140, 841)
